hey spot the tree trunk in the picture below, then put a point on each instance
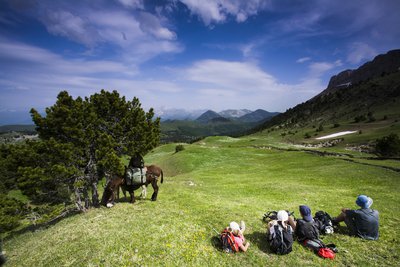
(78, 194)
(95, 194)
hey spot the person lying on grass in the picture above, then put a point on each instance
(363, 222)
(238, 232)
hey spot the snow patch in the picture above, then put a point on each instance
(335, 135)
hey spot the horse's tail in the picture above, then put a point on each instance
(162, 176)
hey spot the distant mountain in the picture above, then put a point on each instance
(17, 128)
(208, 116)
(234, 113)
(178, 114)
(258, 116)
(15, 117)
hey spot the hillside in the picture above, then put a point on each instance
(195, 202)
(371, 105)
(189, 131)
(258, 115)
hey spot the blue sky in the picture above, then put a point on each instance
(189, 54)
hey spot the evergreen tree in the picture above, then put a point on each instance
(97, 131)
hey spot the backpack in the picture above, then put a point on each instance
(323, 222)
(322, 250)
(281, 240)
(228, 241)
(326, 253)
(135, 176)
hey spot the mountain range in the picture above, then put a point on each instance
(235, 115)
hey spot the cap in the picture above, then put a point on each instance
(305, 212)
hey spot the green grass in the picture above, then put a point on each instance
(207, 185)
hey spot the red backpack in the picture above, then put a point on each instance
(228, 241)
(326, 253)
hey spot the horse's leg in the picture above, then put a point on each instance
(132, 193)
(144, 192)
(155, 187)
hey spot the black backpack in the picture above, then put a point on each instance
(281, 240)
(323, 221)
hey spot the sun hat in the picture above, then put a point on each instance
(364, 202)
(305, 212)
(234, 226)
(282, 215)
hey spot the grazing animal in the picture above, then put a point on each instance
(153, 174)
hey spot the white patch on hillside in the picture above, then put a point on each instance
(335, 135)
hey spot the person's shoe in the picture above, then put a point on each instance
(242, 226)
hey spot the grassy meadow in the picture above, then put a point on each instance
(209, 184)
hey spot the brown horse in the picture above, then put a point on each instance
(153, 174)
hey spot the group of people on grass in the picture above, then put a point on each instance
(362, 222)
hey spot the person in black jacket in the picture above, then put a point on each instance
(305, 228)
(136, 161)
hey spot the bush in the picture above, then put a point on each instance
(179, 148)
(388, 146)
(360, 118)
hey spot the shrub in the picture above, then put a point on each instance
(179, 148)
(388, 146)
(360, 118)
(307, 135)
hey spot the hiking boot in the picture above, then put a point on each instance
(242, 226)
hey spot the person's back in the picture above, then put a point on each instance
(136, 161)
(306, 227)
(306, 230)
(365, 222)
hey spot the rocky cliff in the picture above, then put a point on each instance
(380, 65)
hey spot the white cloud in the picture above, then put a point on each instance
(303, 59)
(132, 3)
(231, 75)
(217, 11)
(316, 69)
(151, 24)
(359, 52)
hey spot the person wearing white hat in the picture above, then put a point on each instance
(280, 233)
(238, 231)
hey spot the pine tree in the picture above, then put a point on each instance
(98, 131)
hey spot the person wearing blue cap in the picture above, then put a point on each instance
(305, 228)
(363, 222)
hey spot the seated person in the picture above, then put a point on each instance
(305, 228)
(280, 233)
(238, 234)
(363, 222)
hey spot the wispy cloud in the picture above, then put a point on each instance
(218, 11)
(359, 52)
(303, 59)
